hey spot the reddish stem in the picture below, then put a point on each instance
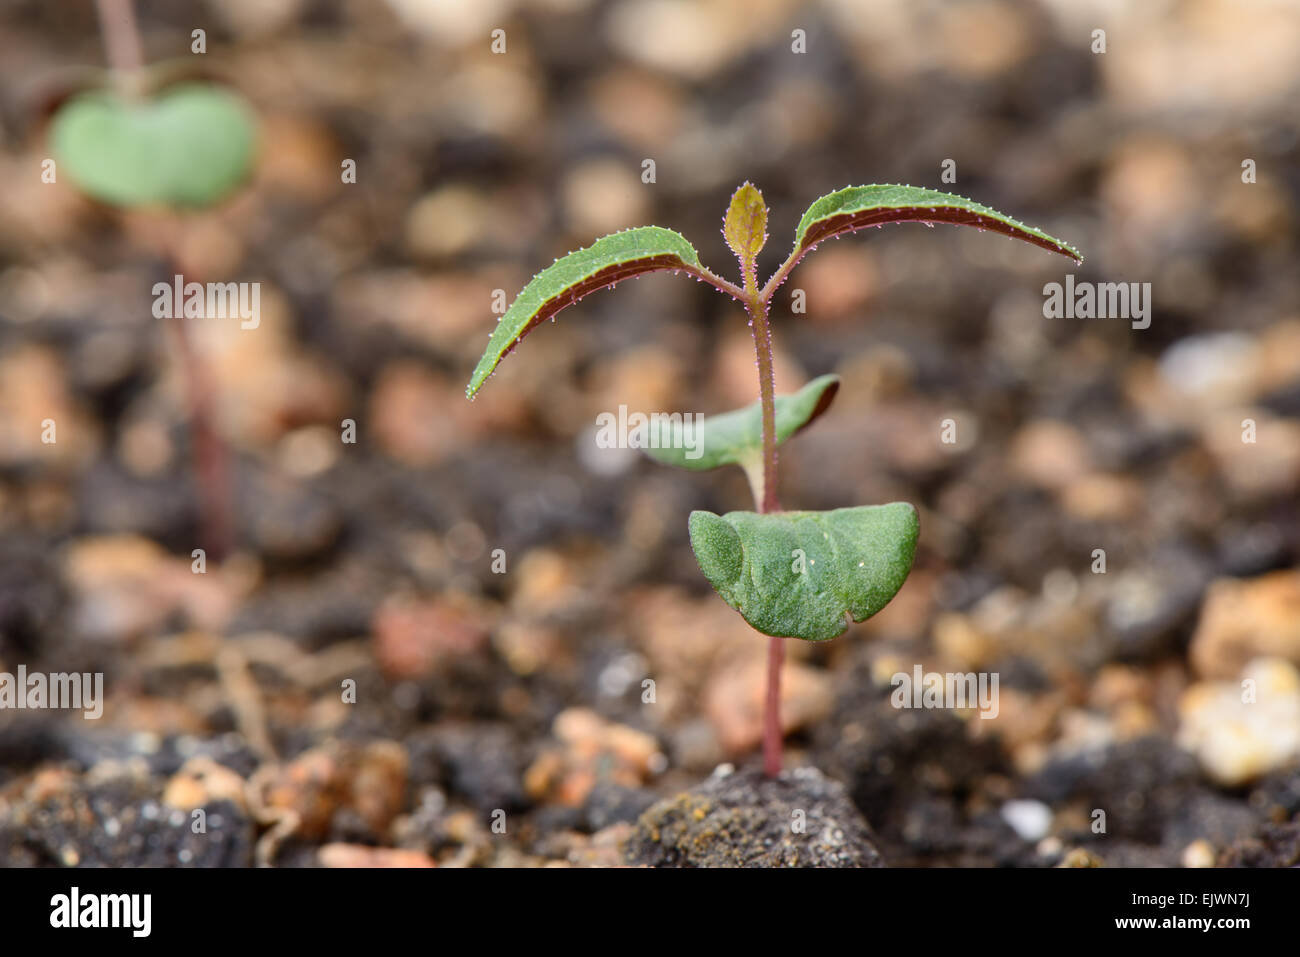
(211, 461)
(772, 734)
(122, 44)
(767, 397)
(756, 304)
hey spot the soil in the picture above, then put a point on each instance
(746, 819)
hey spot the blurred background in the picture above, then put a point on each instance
(373, 562)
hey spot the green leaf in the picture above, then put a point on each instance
(189, 146)
(745, 227)
(736, 438)
(605, 262)
(798, 574)
(857, 207)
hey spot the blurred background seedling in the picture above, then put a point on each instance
(138, 141)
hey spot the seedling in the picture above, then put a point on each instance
(789, 574)
(134, 145)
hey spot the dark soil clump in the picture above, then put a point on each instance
(743, 819)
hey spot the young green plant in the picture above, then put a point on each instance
(789, 574)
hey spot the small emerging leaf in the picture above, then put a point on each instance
(745, 226)
(736, 438)
(606, 261)
(799, 574)
(857, 207)
(190, 146)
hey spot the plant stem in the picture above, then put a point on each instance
(772, 735)
(211, 461)
(765, 501)
(767, 397)
(782, 273)
(122, 43)
(716, 281)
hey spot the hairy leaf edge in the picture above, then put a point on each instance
(603, 278)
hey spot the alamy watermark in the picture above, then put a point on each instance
(74, 909)
(74, 691)
(179, 299)
(1098, 300)
(934, 690)
(658, 430)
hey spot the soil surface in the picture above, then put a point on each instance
(746, 819)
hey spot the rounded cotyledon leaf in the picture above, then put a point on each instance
(187, 147)
(736, 438)
(804, 574)
(605, 262)
(857, 207)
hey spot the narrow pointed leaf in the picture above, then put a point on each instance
(803, 574)
(745, 226)
(858, 207)
(608, 260)
(736, 438)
